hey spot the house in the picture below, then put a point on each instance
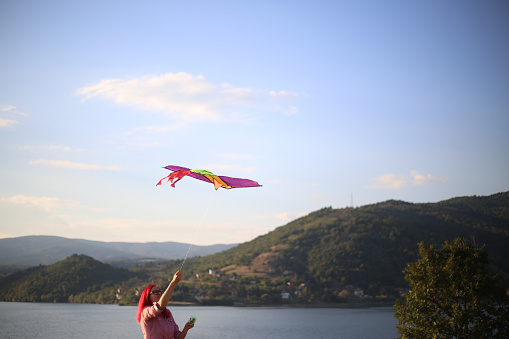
(285, 295)
(359, 293)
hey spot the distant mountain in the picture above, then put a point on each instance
(63, 280)
(44, 250)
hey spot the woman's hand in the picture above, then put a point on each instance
(177, 277)
(188, 325)
(169, 290)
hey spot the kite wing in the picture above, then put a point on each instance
(179, 172)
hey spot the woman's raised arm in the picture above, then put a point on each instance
(165, 298)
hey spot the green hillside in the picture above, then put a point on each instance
(61, 281)
(367, 247)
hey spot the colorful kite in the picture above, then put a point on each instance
(218, 181)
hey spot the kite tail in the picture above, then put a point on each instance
(161, 181)
(174, 182)
(174, 177)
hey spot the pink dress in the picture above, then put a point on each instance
(155, 326)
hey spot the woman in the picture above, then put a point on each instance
(155, 319)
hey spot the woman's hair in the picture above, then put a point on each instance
(145, 301)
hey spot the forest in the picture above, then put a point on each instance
(329, 256)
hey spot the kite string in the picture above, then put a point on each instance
(196, 232)
(191, 244)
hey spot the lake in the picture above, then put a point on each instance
(40, 320)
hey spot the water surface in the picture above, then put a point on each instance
(41, 320)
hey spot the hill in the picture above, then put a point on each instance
(368, 247)
(62, 281)
(45, 250)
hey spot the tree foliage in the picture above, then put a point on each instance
(64, 280)
(454, 294)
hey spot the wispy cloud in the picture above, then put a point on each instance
(420, 179)
(6, 122)
(397, 181)
(184, 97)
(53, 148)
(390, 181)
(45, 203)
(283, 95)
(7, 108)
(72, 165)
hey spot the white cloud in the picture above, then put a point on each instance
(397, 181)
(7, 108)
(46, 203)
(53, 148)
(179, 95)
(7, 122)
(72, 165)
(283, 95)
(182, 96)
(390, 181)
(11, 110)
(419, 179)
(59, 148)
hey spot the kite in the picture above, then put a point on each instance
(207, 176)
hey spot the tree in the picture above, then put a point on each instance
(453, 294)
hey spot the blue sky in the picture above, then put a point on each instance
(324, 103)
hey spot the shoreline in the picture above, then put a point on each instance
(242, 304)
(290, 305)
